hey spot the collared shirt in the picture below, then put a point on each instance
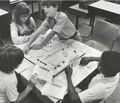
(100, 88)
(63, 26)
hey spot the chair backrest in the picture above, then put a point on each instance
(104, 33)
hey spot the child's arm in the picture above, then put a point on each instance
(86, 60)
(46, 40)
(33, 23)
(16, 39)
(73, 95)
(32, 82)
(41, 30)
(32, 39)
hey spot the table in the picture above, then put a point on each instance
(80, 73)
(79, 12)
(104, 8)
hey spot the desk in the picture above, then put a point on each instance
(79, 12)
(104, 8)
(15, 1)
(80, 73)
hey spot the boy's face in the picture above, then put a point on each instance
(50, 11)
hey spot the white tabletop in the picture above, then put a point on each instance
(107, 6)
(79, 73)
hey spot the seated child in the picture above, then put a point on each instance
(103, 84)
(58, 22)
(23, 25)
(10, 58)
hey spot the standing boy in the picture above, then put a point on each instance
(103, 84)
(58, 22)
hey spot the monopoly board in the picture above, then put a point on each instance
(55, 55)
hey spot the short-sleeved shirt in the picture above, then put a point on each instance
(21, 34)
(100, 88)
(8, 87)
(63, 26)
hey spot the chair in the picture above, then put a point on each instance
(103, 36)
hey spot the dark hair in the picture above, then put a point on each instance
(21, 9)
(110, 61)
(53, 3)
(10, 57)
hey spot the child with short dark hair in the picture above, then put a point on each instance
(10, 58)
(58, 22)
(103, 84)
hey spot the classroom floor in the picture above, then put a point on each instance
(84, 29)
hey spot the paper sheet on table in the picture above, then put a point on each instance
(79, 46)
(75, 69)
(62, 78)
(54, 90)
(85, 70)
(51, 97)
(36, 53)
(44, 72)
(92, 65)
(23, 66)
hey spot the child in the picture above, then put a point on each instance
(23, 25)
(58, 22)
(103, 84)
(10, 58)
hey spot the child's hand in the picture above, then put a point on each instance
(42, 81)
(68, 71)
(36, 46)
(33, 80)
(26, 49)
(85, 61)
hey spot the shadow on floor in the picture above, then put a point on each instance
(32, 98)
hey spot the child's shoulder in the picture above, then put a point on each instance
(31, 18)
(14, 24)
(62, 15)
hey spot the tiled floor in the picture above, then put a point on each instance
(84, 30)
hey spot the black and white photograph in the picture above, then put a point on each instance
(59, 51)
